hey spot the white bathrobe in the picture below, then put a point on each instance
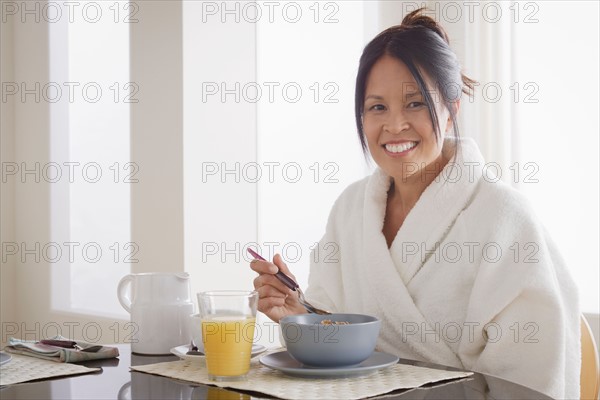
(471, 280)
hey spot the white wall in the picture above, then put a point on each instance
(156, 66)
(8, 298)
(31, 126)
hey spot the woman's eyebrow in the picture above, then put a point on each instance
(413, 94)
(373, 96)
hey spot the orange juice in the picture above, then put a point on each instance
(228, 344)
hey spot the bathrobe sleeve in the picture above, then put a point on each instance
(524, 305)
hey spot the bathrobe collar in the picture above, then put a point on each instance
(391, 270)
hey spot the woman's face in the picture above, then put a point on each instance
(396, 122)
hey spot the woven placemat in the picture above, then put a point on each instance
(274, 383)
(24, 369)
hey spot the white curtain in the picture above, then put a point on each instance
(534, 112)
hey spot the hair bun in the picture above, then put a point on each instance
(418, 19)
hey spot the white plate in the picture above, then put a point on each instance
(180, 351)
(282, 361)
(4, 358)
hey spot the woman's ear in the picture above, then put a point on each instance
(456, 106)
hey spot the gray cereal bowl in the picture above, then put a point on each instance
(314, 344)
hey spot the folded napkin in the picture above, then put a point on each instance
(59, 354)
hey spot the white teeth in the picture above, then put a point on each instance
(399, 148)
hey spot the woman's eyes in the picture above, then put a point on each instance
(381, 107)
(377, 107)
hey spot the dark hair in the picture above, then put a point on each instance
(421, 44)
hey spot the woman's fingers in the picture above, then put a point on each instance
(270, 291)
(272, 281)
(274, 298)
(266, 267)
(277, 260)
(263, 267)
(268, 304)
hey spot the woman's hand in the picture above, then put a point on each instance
(274, 298)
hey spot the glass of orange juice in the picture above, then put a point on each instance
(228, 318)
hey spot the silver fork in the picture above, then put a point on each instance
(308, 306)
(289, 282)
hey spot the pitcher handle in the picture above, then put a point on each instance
(122, 292)
(125, 392)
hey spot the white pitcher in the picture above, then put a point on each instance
(160, 306)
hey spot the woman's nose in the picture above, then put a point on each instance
(396, 122)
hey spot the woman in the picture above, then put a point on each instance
(450, 259)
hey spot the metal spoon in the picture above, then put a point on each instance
(92, 349)
(69, 344)
(289, 282)
(193, 351)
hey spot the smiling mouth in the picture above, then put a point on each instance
(398, 148)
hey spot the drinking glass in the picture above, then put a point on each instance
(228, 320)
